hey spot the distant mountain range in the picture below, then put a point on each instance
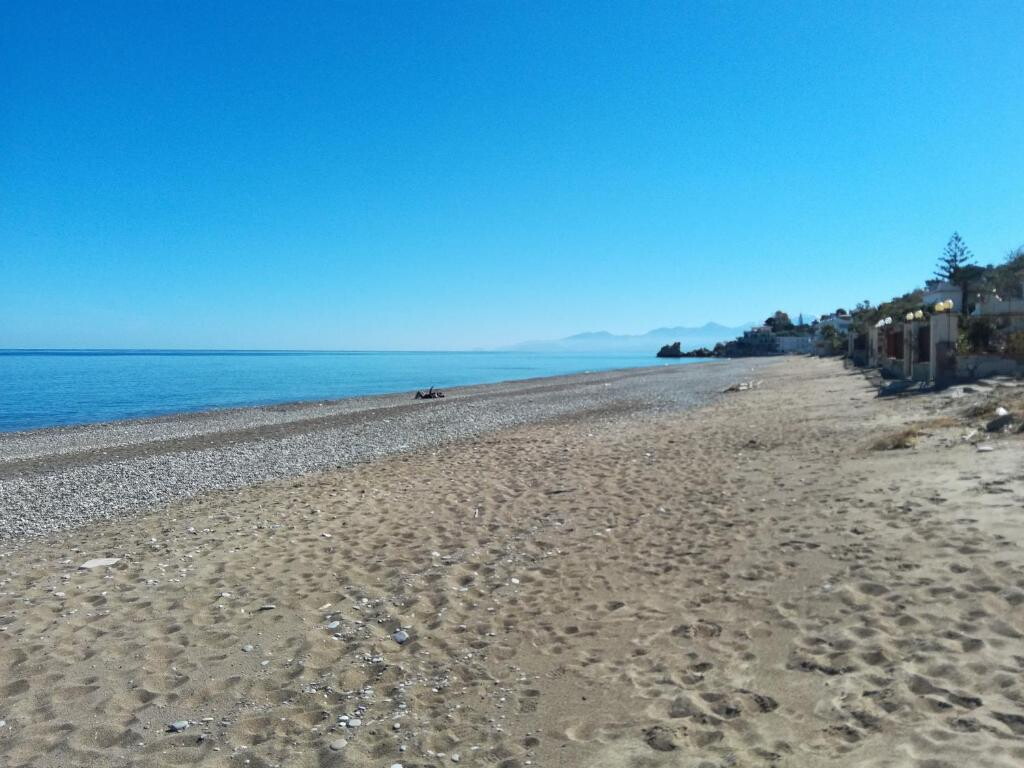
(604, 342)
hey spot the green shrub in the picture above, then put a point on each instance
(978, 335)
(1015, 344)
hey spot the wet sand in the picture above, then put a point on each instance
(745, 584)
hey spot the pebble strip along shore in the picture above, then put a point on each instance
(57, 479)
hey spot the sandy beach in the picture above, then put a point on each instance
(63, 477)
(642, 579)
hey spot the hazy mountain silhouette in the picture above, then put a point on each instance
(706, 335)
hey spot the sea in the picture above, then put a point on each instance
(48, 388)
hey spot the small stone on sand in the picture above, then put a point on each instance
(99, 562)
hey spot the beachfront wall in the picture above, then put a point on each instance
(926, 350)
(1004, 307)
(1005, 353)
(873, 346)
(917, 350)
(909, 350)
(795, 345)
(982, 366)
(944, 328)
(858, 348)
(891, 351)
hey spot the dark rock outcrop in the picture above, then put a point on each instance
(675, 350)
(671, 350)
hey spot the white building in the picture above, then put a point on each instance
(942, 290)
(840, 322)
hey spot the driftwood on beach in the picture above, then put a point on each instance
(743, 386)
(430, 394)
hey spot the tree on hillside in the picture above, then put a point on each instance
(895, 308)
(833, 341)
(779, 322)
(955, 257)
(956, 265)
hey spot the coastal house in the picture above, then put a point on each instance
(758, 340)
(936, 291)
(840, 321)
(826, 332)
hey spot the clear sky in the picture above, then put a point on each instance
(428, 175)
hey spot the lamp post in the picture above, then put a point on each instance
(919, 318)
(909, 320)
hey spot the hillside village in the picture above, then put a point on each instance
(964, 323)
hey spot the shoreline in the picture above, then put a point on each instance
(275, 403)
(286, 406)
(61, 477)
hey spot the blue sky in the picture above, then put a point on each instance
(429, 175)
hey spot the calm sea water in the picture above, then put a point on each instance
(49, 388)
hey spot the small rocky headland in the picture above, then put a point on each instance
(675, 350)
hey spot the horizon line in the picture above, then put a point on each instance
(266, 351)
